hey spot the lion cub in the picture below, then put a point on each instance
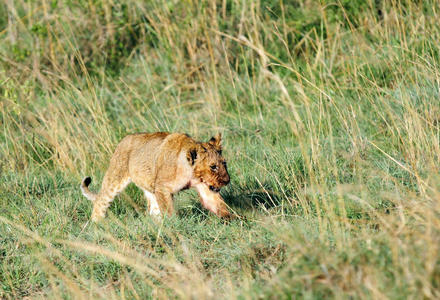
(162, 164)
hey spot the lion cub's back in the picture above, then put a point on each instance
(141, 145)
(141, 150)
(137, 140)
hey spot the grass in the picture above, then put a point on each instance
(330, 115)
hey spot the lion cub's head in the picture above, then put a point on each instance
(209, 164)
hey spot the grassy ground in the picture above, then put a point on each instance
(330, 114)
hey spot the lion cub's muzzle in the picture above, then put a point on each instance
(214, 189)
(222, 183)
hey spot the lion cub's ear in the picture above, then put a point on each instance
(216, 141)
(191, 156)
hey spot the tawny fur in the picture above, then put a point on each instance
(162, 164)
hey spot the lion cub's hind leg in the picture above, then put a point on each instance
(152, 203)
(164, 199)
(115, 180)
(110, 188)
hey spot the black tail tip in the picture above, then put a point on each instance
(87, 181)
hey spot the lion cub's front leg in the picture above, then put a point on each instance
(212, 201)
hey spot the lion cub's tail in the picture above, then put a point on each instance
(85, 189)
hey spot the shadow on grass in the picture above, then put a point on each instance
(253, 195)
(240, 198)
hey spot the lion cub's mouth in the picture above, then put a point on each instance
(214, 189)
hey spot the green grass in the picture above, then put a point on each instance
(330, 118)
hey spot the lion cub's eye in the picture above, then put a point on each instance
(213, 168)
